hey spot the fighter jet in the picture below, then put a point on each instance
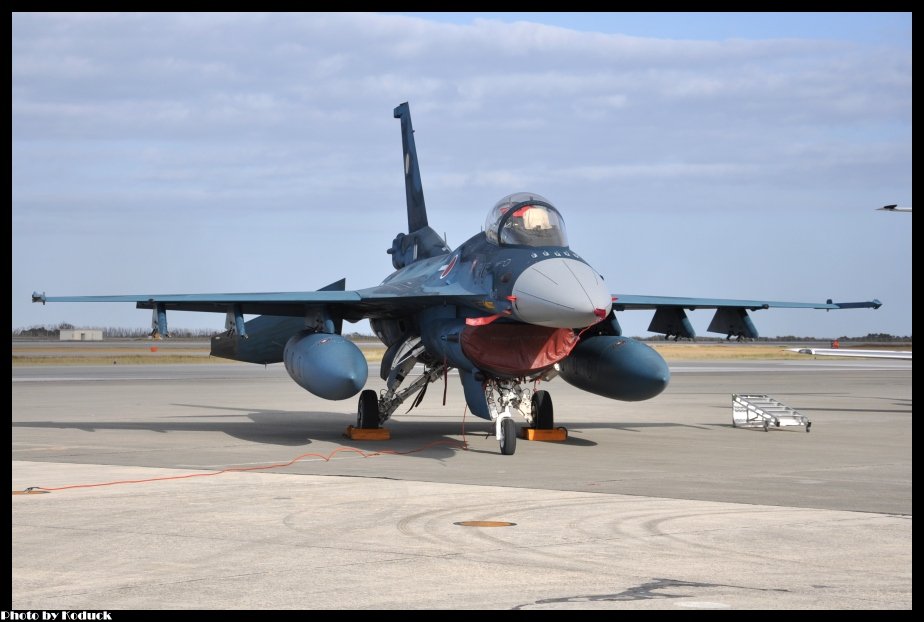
(512, 306)
(894, 208)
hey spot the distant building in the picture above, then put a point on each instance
(81, 334)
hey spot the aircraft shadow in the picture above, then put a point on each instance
(625, 426)
(430, 439)
(808, 409)
(405, 427)
(271, 428)
(855, 410)
(754, 428)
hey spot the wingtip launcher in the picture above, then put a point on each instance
(868, 304)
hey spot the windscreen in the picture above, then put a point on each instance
(525, 219)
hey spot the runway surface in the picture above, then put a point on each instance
(658, 504)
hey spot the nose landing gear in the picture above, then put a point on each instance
(507, 434)
(509, 397)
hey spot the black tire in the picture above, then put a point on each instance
(509, 444)
(368, 417)
(543, 416)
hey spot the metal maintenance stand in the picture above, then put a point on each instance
(762, 411)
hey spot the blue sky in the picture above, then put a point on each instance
(716, 155)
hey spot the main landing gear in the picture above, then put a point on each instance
(368, 417)
(374, 410)
(543, 417)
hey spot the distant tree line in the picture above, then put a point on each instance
(114, 332)
(871, 337)
(877, 337)
(109, 332)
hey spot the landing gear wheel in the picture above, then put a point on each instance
(542, 411)
(368, 417)
(508, 444)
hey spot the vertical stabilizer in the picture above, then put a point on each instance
(416, 208)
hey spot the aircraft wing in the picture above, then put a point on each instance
(623, 302)
(894, 208)
(731, 317)
(377, 302)
(855, 353)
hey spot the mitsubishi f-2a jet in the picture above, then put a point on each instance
(512, 305)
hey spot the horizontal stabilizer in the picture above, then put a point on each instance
(263, 339)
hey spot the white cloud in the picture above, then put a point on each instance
(202, 117)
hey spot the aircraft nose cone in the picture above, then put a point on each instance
(561, 293)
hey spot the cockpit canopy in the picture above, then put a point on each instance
(525, 219)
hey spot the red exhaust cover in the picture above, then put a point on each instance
(516, 350)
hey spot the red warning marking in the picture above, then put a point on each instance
(448, 269)
(485, 320)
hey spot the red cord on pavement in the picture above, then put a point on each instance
(463, 445)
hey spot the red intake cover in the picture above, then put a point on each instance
(516, 350)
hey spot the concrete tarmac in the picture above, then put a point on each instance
(657, 504)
